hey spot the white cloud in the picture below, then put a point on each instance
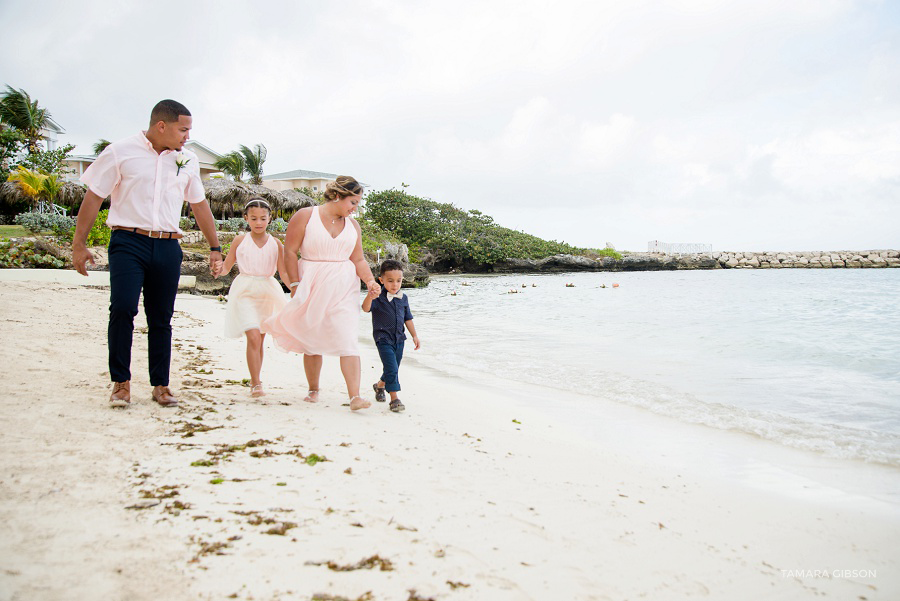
(745, 124)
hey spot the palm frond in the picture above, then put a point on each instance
(253, 160)
(232, 164)
(101, 145)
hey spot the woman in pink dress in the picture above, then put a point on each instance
(322, 317)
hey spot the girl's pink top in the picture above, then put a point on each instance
(256, 261)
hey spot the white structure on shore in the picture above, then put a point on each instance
(299, 178)
(678, 248)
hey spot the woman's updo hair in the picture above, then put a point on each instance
(342, 187)
(257, 203)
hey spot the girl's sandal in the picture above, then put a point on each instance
(357, 403)
(312, 396)
(257, 390)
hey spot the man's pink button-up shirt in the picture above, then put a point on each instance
(147, 187)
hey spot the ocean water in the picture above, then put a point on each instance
(808, 359)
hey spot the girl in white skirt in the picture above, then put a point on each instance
(255, 294)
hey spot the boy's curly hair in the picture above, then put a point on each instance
(390, 265)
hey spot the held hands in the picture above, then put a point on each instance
(374, 289)
(215, 263)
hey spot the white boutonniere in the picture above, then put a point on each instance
(180, 161)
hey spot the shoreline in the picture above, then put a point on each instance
(459, 500)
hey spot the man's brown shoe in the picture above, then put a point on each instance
(121, 395)
(164, 396)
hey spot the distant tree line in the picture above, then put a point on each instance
(454, 237)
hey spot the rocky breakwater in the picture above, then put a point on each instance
(808, 260)
(719, 260)
(629, 262)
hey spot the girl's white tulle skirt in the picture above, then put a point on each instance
(252, 299)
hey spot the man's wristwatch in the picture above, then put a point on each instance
(215, 249)
(294, 284)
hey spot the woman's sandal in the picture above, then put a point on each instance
(257, 390)
(312, 396)
(357, 403)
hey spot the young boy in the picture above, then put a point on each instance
(390, 312)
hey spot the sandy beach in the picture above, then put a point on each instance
(473, 493)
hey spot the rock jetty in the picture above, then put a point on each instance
(716, 260)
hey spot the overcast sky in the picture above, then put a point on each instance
(753, 125)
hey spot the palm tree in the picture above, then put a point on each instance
(52, 186)
(31, 183)
(101, 145)
(253, 161)
(232, 164)
(19, 111)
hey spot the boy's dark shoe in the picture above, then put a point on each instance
(379, 393)
(397, 406)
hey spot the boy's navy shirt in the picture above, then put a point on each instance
(389, 318)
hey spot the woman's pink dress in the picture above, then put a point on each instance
(323, 316)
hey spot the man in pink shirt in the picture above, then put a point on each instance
(147, 177)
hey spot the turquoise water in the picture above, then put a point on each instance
(806, 358)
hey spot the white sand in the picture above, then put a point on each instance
(462, 501)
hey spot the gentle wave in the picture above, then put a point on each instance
(806, 360)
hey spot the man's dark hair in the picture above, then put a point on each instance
(390, 265)
(168, 111)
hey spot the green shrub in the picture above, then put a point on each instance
(23, 254)
(186, 223)
(46, 222)
(278, 225)
(235, 224)
(374, 237)
(464, 238)
(33, 222)
(100, 232)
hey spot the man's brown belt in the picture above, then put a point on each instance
(137, 230)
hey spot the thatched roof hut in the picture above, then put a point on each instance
(71, 194)
(227, 196)
(294, 200)
(11, 194)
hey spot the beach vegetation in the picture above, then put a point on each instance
(51, 162)
(12, 141)
(375, 237)
(253, 162)
(16, 254)
(100, 145)
(453, 237)
(317, 195)
(277, 225)
(30, 183)
(36, 223)
(313, 459)
(232, 164)
(18, 110)
(244, 160)
(100, 232)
